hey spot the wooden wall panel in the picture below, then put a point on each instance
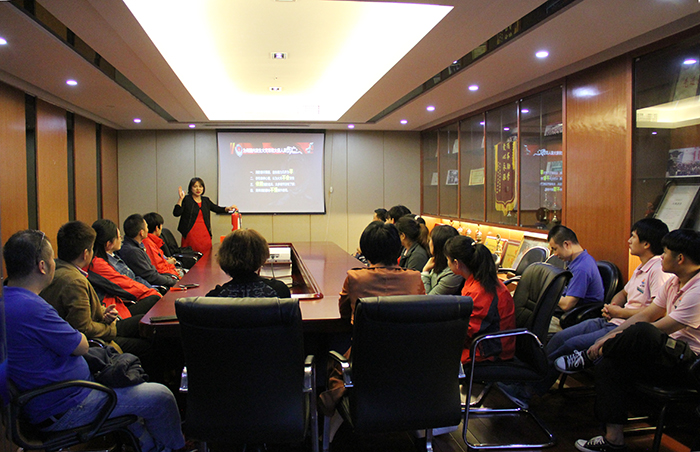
(401, 176)
(333, 226)
(175, 156)
(86, 190)
(110, 175)
(13, 154)
(137, 173)
(598, 160)
(52, 168)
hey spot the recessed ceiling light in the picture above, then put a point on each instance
(192, 126)
(455, 62)
(690, 61)
(71, 82)
(653, 133)
(351, 126)
(524, 110)
(3, 41)
(430, 108)
(404, 121)
(542, 54)
(279, 55)
(506, 128)
(137, 120)
(473, 87)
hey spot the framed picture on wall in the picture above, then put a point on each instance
(674, 207)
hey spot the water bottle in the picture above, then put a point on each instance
(183, 380)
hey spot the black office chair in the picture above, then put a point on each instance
(665, 396)
(536, 297)
(403, 372)
(612, 282)
(555, 261)
(534, 254)
(19, 431)
(248, 381)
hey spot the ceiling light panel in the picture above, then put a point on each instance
(341, 49)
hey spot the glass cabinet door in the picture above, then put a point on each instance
(541, 159)
(502, 165)
(471, 138)
(430, 172)
(448, 179)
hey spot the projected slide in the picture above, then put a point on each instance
(271, 172)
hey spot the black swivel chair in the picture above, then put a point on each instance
(248, 381)
(666, 396)
(612, 280)
(534, 254)
(28, 437)
(536, 297)
(403, 372)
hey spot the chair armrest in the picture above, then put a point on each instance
(309, 374)
(500, 334)
(95, 342)
(22, 399)
(345, 367)
(506, 270)
(512, 280)
(580, 313)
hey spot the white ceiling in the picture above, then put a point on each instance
(586, 33)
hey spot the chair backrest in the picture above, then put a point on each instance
(534, 254)
(537, 295)
(556, 261)
(405, 360)
(611, 279)
(245, 366)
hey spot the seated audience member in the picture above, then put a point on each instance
(383, 277)
(133, 252)
(494, 309)
(241, 255)
(586, 284)
(438, 278)
(638, 293)
(396, 212)
(643, 287)
(380, 214)
(656, 345)
(154, 246)
(43, 349)
(76, 301)
(415, 254)
(108, 241)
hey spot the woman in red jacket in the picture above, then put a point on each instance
(494, 309)
(108, 241)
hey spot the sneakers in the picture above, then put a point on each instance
(516, 393)
(598, 444)
(575, 362)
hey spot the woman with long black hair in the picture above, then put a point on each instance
(493, 306)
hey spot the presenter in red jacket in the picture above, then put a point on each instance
(194, 210)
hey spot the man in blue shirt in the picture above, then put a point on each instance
(586, 285)
(43, 349)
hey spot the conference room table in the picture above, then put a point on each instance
(319, 270)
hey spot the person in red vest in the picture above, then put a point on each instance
(154, 245)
